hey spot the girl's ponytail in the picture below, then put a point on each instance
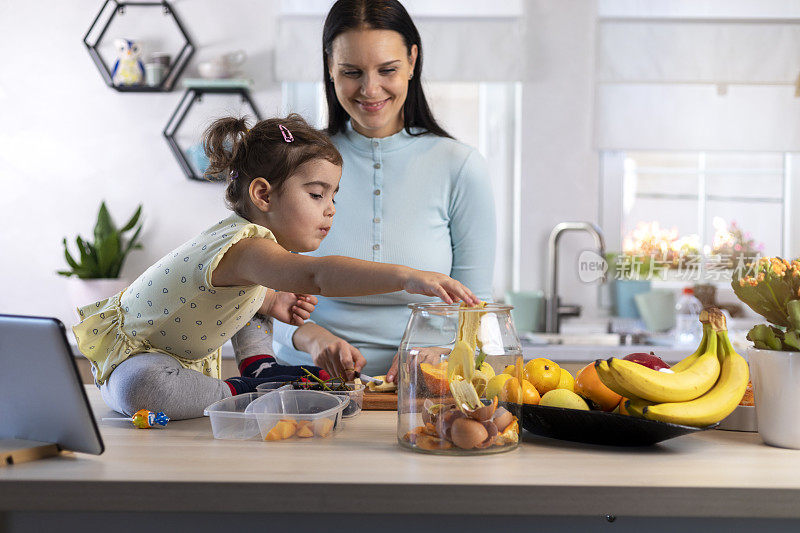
(223, 141)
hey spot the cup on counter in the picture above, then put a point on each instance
(528, 312)
(657, 309)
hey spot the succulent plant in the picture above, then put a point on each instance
(771, 288)
(104, 257)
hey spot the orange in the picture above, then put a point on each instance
(530, 395)
(596, 394)
(512, 391)
(435, 379)
(543, 373)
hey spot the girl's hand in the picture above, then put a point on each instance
(338, 357)
(292, 308)
(436, 284)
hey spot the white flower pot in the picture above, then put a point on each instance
(776, 389)
(87, 291)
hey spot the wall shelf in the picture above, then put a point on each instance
(195, 89)
(94, 37)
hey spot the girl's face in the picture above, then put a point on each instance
(370, 71)
(300, 212)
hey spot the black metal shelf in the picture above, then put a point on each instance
(112, 8)
(192, 95)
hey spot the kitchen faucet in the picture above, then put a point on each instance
(553, 309)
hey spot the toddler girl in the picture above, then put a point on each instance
(156, 345)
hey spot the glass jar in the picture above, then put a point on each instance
(452, 395)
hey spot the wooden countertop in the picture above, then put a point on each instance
(362, 469)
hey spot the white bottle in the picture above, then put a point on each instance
(688, 329)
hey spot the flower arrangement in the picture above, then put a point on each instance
(771, 288)
(733, 245)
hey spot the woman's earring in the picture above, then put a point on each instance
(410, 76)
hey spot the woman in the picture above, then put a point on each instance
(409, 193)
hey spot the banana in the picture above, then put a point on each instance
(655, 386)
(688, 361)
(607, 377)
(635, 406)
(718, 402)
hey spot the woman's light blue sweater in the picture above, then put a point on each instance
(422, 201)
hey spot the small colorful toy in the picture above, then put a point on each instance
(128, 69)
(144, 419)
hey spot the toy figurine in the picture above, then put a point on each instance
(128, 69)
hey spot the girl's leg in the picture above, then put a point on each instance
(252, 346)
(157, 382)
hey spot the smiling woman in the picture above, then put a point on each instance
(410, 193)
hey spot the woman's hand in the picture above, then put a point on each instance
(436, 284)
(289, 307)
(339, 358)
(332, 353)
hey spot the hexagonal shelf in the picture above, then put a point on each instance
(192, 160)
(100, 25)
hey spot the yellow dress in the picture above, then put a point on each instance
(173, 308)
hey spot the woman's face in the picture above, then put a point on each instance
(371, 70)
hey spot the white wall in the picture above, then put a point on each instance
(67, 141)
(559, 163)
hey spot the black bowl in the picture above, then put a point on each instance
(599, 427)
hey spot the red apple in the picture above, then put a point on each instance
(650, 360)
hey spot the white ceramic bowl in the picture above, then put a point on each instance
(776, 389)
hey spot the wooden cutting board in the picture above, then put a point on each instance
(379, 401)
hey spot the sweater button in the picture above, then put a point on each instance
(376, 220)
(376, 165)
(377, 192)
(376, 246)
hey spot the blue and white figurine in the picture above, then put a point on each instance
(128, 69)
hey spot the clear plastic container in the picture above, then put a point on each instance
(291, 414)
(443, 408)
(356, 395)
(229, 419)
(688, 329)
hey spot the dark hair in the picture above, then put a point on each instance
(347, 15)
(241, 155)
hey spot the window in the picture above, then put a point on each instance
(700, 195)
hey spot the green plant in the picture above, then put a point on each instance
(771, 288)
(104, 257)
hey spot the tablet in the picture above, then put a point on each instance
(42, 397)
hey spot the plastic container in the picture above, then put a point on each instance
(291, 414)
(439, 355)
(688, 329)
(229, 419)
(356, 395)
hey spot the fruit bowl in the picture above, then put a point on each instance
(599, 427)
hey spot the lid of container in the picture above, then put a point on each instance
(688, 290)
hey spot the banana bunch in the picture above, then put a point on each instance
(704, 388)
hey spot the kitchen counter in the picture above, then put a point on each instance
(362, 470)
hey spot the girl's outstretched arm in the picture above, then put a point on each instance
(265, 262)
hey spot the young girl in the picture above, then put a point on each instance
(156, 345)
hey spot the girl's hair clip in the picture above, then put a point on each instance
(287, 135)
(234, 174)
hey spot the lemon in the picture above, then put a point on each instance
(510, 369)
(487, 369)
(566, 381)
(495, 386)
(563, 398)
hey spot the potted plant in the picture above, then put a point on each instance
(771, 288)
(95, 274)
